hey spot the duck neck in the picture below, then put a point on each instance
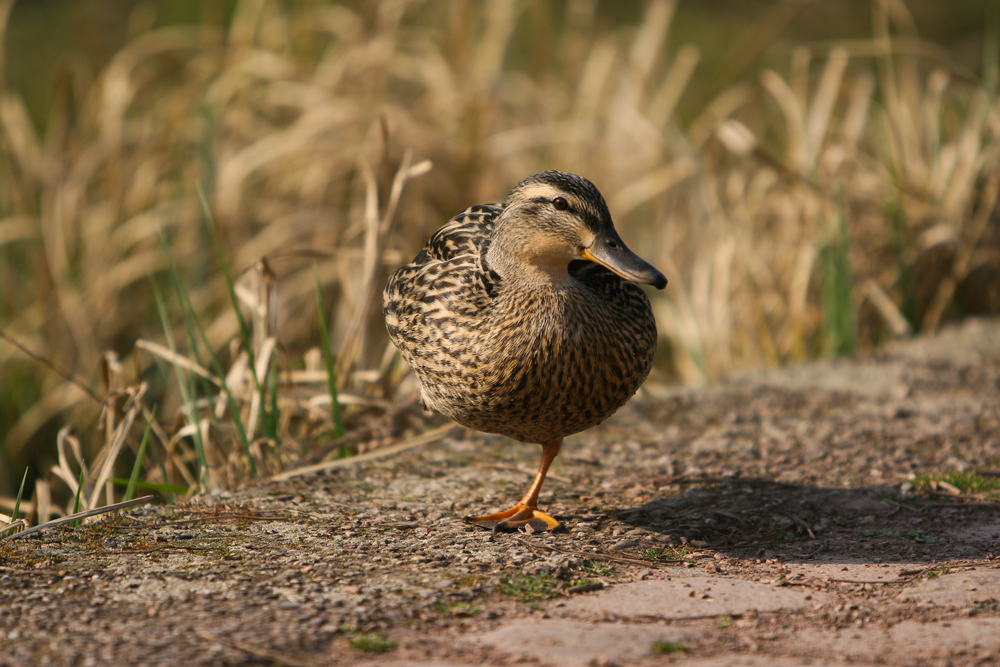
(522, 261)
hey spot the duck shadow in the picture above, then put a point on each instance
(759, 518)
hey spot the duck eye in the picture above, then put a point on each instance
(560, 204)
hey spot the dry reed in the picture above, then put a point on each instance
(852, 200)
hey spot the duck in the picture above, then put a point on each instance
(526, 319)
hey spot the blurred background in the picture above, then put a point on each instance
(814, 178)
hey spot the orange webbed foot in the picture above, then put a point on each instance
(521, 515)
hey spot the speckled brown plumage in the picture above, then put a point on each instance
(509, 330)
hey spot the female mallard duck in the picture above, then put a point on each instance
(522, 319)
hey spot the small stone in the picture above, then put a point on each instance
(584, 588)
(625, 544)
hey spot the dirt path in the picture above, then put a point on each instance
(767, 521)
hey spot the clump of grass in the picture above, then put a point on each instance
(653, 553)
(783, 536)
(529, 587)
(597, 568)
(372, 642)
(662, 646)
(461, 608)
(966, 482)
(879, 533)
(936, 572)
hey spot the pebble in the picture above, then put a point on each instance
(624, 544)
(584, 588)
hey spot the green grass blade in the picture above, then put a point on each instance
(234, 411)
(196, 331)
(244, 335)
(76, 500)
(839, 316)
(224, 267)
(186, 393)
(17, 501)
(186, 310)
(130, 490)
(163, 472)
(269, 417)
(331, 373)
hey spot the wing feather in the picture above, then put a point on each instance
(468, 233)
(448, 277)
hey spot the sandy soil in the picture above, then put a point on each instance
(771, 520)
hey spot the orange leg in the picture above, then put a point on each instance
(526, 512)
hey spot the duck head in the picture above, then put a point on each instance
(553, 218)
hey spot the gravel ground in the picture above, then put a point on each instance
(770, 520)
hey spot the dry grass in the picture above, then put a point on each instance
(852, 200)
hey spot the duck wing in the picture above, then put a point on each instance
(441, 294)
(468, 233)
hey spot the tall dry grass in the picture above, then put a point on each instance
(797, 214)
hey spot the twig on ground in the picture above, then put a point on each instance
(20, 523)
(256, 651)
(165, 547)
(219, 517)
(423, 439)
(80, 515)
(803, 525)
(907, 575)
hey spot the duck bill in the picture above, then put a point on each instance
(609, 251)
